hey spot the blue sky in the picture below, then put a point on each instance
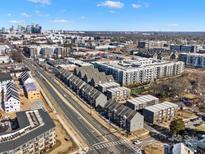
(104, 15)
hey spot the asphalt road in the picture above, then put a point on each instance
(86, 131)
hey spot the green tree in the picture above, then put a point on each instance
(177, 126)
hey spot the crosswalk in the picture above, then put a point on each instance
(102, 145)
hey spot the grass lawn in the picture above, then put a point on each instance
(186, 114)
(138, 91)
(200, 128)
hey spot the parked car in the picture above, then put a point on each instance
(137, 142)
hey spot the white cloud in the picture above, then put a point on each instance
(26, 15)
(59, 21)
(44, 2)
(136, 6)
(112, 4)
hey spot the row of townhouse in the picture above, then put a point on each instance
(123, 116)
(35, 134)
(90, 94)
(153, 111)
(4, 79)
(158, 113)
(112, 90)
(103, 87)
(10, 98)
(128, 72)
(132, 120)
(118, 93)
(139, 103)
(30, 87)
(92, 76)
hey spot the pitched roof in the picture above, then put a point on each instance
(30, 87)
(91, 73)
(24, 76)
(11, 91)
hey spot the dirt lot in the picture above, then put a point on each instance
(200, 128)
(155, 148)
(186, 115)
(64, 143)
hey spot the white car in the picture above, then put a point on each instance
(137, 142)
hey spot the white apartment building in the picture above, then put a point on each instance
(139, 103)
(118, 93)
(35, 134)
(11, 100)
(181, 148)
(140, 71)
(160, 112)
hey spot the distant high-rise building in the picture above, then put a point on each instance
(11, 29)
(3, 30)
(20, 29)
(36, 29)
(28, 29)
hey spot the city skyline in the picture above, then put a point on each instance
(106, 15)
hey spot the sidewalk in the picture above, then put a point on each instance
(68, 129)
(111, 127)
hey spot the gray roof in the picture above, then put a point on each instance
(91, 73)
(24, 76)
(23, 122)
(121, 110)
(5, 77)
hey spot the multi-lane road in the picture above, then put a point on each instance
(88, 127)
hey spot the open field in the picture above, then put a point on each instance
(186, 114)
(64, 142)
(200, 128)
(155, 148)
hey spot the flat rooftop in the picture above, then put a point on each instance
(130, 65)
(117, 89)
(143, 99)
(161, 106)
(31, 124)
(194, 54)
(109, 84)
